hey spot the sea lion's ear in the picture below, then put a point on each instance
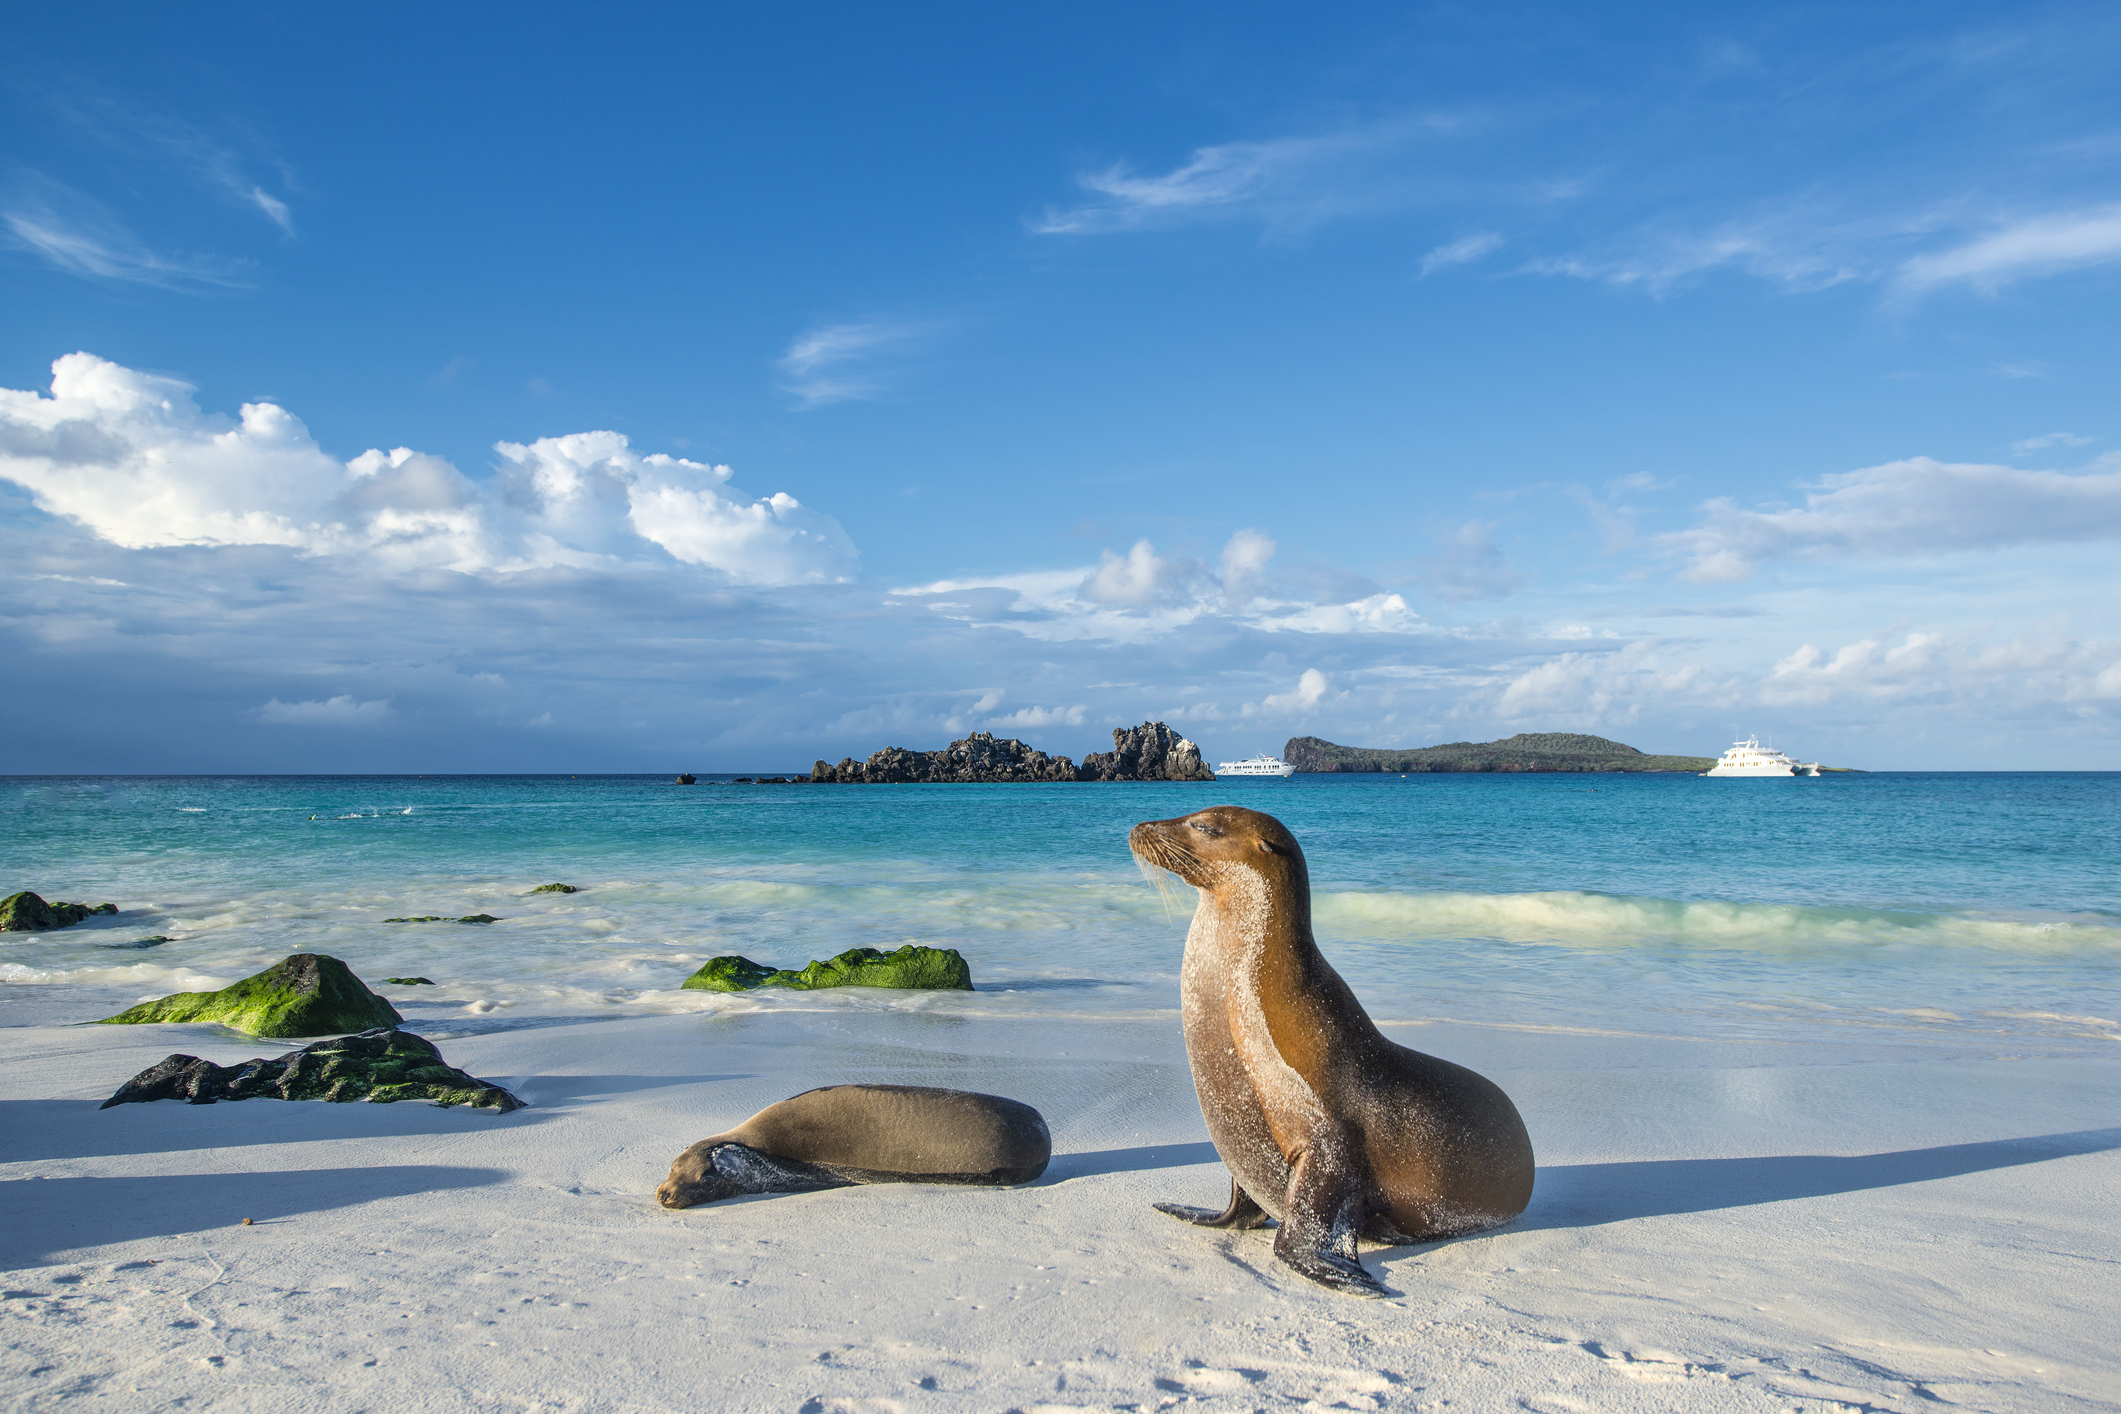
(1267, 846)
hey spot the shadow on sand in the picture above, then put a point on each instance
(1585, 1195)
(47, 1216)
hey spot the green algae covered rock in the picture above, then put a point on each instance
(27, 913)
(308, 994)
(382, 1065)
(555, 889)
(912, 967)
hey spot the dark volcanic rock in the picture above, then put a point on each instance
(307, 994)
(383, 1065)
(979, 758)
(555, 889)
(686, 779)
(1149, 752)
(27, 913)
(1527, 751)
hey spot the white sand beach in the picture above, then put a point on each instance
(1741, 1227)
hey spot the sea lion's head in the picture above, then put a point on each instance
(1201, 846)
(693, 1179)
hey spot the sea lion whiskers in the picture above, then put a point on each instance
(1162, 875)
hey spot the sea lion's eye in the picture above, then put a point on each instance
(1207, 827)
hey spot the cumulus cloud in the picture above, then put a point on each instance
(1143, 595)
(1244, 562)
(1312, 689)
(1914, 507)
(1141, 578)
(340, 711)
(130, 456)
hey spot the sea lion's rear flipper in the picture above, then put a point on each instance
(1320, 1223)
(1242, 1214)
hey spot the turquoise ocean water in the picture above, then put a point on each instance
(1917, 914)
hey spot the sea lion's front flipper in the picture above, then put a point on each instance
(1320, 1223)
(1242, 1214)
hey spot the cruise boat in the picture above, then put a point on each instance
(1750, 758)
(1261, 765)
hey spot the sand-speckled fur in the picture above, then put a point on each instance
(1323, 1123)
(847, 1134)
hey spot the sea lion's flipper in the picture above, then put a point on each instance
(1320, 1224)
(1242, 1214)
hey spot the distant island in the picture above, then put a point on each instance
(1527, 751)
(1149, 752)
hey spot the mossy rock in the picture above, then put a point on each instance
(308, 994)
(555, 889)
(409, 981)
(912, 967)
(383, 1065)
(27, 913)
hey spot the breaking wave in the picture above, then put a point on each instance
(1607, 921)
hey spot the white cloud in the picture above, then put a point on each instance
(1379, 613)
(341, 711)
(1285, 182)
(1312, 689)
(2050, 439)
(1471, 567)
(77, 234)
(1868, 668)
(1141, 578)
(1912, 507)
(1142, 595)
(836, 363)
(1244, 558)
(130, 456)
(1028, 717)
(1463, 251)
(2038, 245)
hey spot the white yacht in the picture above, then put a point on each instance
(1260, 765)
(1750, 758)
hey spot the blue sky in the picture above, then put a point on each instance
(701, 388)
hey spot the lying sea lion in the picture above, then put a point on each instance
(848, 1134)
(1323, 1123)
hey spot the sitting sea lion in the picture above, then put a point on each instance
(847, 1134)
(1323, 1123)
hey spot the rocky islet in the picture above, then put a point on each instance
(1149, 752)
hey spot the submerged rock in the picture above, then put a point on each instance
(27, 913)
(409, 981)
(155, 942)
(307, 994)
(555, 889)
(438, 918)
(912, 967)
(383, 1065)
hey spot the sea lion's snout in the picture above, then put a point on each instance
(1190, 846)
(693, 1180)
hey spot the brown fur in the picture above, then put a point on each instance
(845, 1134)
(1323, 1123)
